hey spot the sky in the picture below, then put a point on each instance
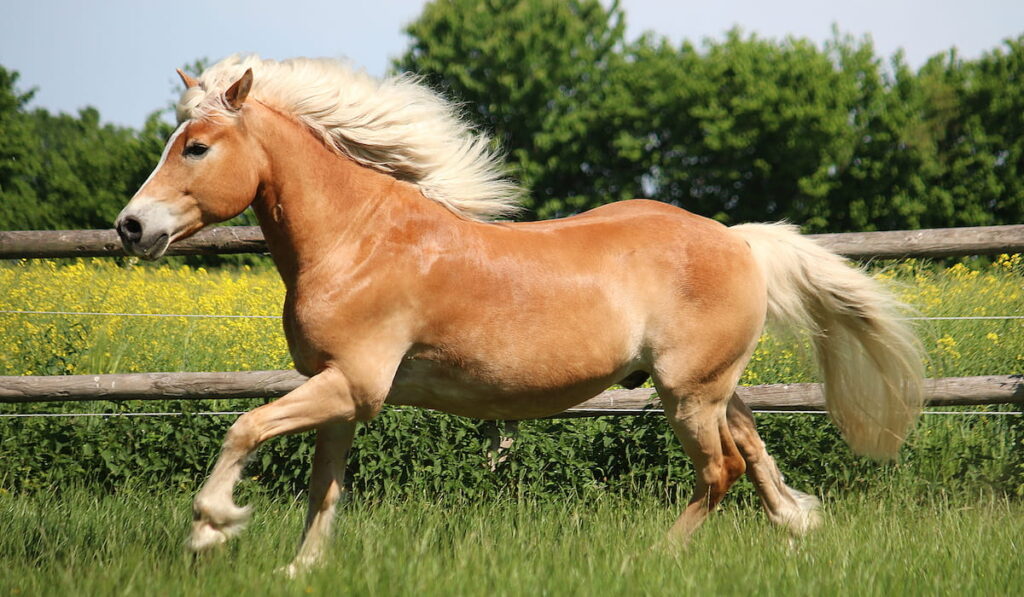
(119, 55)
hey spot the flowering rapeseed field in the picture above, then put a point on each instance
(51, 344)
(954, 347)
(46, 344)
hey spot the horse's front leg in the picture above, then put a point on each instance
(326, 485)
(324, 399)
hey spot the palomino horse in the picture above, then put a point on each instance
(376, 202)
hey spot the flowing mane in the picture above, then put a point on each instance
(396, 125)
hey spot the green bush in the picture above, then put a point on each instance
(413, 453)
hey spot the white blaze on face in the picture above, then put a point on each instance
(157, 217)
(167, 150)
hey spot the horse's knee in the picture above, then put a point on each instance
(329, 499)
(242, 435)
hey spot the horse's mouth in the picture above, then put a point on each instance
(155, 249)
(159, 247)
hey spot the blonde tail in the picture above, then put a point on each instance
(871, 361)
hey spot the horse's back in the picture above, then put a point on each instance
(659, 254)
(622, 214)
(642, 230)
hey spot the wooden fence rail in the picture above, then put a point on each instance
(948, 242)
(942, 242)
(946, 391)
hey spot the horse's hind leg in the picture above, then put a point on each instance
(698, 418)
(326, 485)
(323, 399)
(785, 506)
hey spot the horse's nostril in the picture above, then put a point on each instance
(130, 229)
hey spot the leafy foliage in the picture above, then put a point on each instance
(60, 171)
(536, 73)
(741, 129)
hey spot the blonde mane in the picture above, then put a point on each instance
(395, 125)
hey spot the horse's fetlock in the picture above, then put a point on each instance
(219, 512)
(204, 537)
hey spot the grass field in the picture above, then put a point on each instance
(131, 543)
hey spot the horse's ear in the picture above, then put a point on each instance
(236, 94)
(187, 79)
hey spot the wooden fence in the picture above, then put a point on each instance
(946, 391)
(941, 242)
(956, 391)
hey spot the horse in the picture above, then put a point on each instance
(382, 210)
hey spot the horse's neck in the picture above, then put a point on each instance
(316, 205)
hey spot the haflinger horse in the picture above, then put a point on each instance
(379, 207)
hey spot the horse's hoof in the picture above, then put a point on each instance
(205, 537)
(300, 565)
(213, 526)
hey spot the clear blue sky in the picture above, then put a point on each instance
(120, 55)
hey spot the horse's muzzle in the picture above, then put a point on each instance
(138, 241)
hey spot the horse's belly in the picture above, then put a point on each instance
(437, 386)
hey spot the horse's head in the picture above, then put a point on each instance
(208, 173)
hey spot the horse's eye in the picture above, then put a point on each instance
(195, 150)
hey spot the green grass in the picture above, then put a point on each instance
(878, 544)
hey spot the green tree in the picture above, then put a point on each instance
(978, 111)
(749, 128)
(878, 179)
(64, 171)
(20, 166)
(533, 73)
(741, 129)
(91, 169)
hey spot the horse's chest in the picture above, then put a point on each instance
(327, 326)
(313, 334)
(305, 354)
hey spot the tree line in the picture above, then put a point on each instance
(832, 137)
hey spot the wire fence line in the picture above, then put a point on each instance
(216, 413)
(189, 315)
(225, 316)
(235, 413)
(220, 413)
